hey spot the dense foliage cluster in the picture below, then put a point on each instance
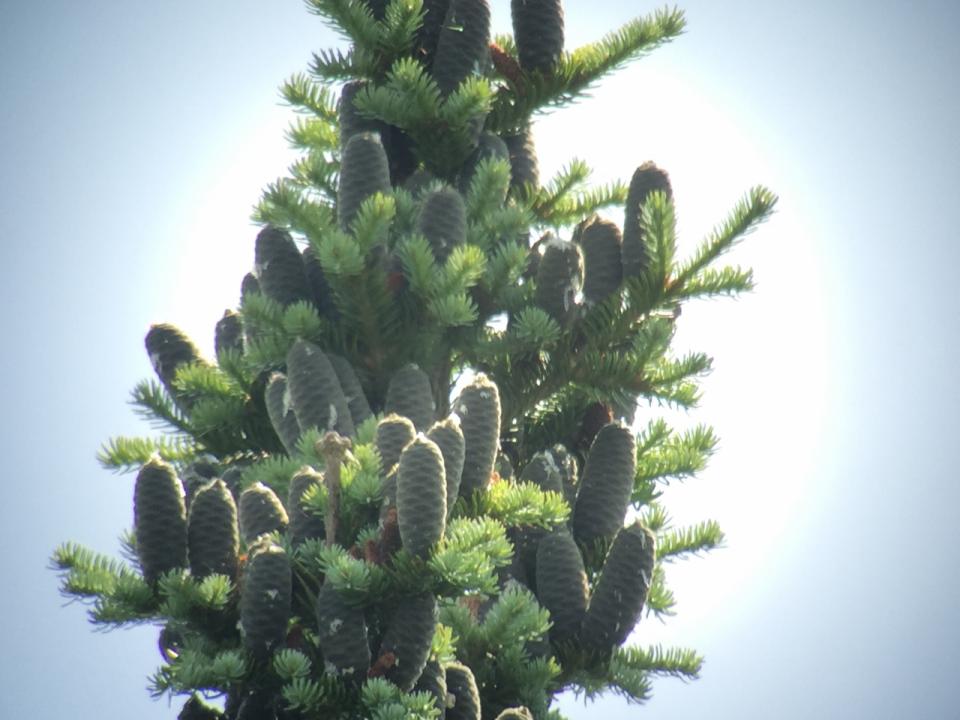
(409, 484)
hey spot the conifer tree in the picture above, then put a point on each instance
(436, 361)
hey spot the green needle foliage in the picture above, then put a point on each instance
(423, 477)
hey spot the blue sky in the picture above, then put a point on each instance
(135, 137)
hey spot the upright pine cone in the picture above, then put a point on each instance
(602, 267)
(543, 471)
(364, 171)
(466, 697)
(160, 520)
(169, 350)
(621, 590)
(351, 121)
(524, 169)
(303, 525)
(352, 390)
(261, 512)
(394, 433)
(434, 681)
(462, 43)
(408, 638)
(342, 632)
(265, 600)
(562, 584)
(279, 267)
(488, 146)
(409, 394)
(647, 178)
(559, 279)
(280, 411)
(538, 29)
(213, 538)
(320, 289)
(606, 485)
(429, 33)
(443, 221)
(421, 496)
(449, 438)
(515, 713)
(315, 392)
(228, 334)
(478, 408)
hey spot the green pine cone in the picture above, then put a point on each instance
(449, 438)
(394, 433)
(621, 590)
(466, 697)
(561, 584)
(559, 279)
(409, 394)
(228, 334)
(352, 390)
(543, 471)
(261, 512)
(342, 632)
(478, 408)
(265, 600)
(647, 178)
(443, 221)
(280, 412)
(279, 267)
(315, 392)
(249, 286)
(524, 169)
(462, 44)
(602, 266)
(489, 145)
(364, 170)
(169, 350)
(160, 520)
(429, 33)
(304, 525)
(213, 538)
(408, 637)
(351, 121)
(421, 496)
(538, 30)
(515, 713)
(606, 486)
(523, 568)
(320, 289)
(434, 681)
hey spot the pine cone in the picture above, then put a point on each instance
(304, 525)
(228, 334)
(319, 287)
(559, 279)
(524, 169)
(394, 433)
(607, 484)
(408, 638)
(342, 632)
(561, 584)
(647, 178)
(543, 471)
(279, 267)
(261, 512)
(462, 42)
(434, 681)
(478, 408)
(169, 350)
(429, 33)
(602, 268)
(421, 496)
(280, 411)
(352, 390)
(265, 600)
(249, 286)
(364, 171)
(443, 221)
(515, 713)
(488, 146)
(160, 520)
(315, 392)
(351, 121)
(213, 539)
(538, 30)
(449, 438)
(621, 590)
(466, 697)
(409, 394)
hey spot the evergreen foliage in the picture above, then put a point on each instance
(437, 362)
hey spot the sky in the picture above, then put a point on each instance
(135, 137)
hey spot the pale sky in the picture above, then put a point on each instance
(135, 137)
